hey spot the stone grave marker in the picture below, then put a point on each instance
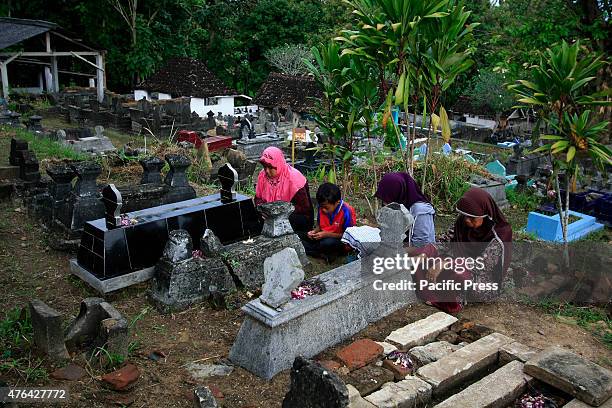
(227, 177)
(283, 272)
(151, 167)
(111, 197)
(276, 222)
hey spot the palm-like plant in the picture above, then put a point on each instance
(560, 88)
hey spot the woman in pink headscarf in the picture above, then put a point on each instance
(278, 181)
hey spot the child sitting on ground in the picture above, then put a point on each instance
(334, 216)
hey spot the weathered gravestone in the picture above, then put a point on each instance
(181, 279)
(313, 386)
(47, 330)
(283, 273)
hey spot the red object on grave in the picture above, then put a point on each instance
(190, 136)
(218, 142)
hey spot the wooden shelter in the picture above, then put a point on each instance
(41, 43)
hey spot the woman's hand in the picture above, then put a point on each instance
(432, 274)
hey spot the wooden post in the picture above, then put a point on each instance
(100, 77)
(293, 146)
(5, 83)
(207, 160)
(54, 74)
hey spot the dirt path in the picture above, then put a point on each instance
(30, 269)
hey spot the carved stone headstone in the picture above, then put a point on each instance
(179, 246)
(99, 131)
(288, 114)
(34, 123)
(62, 176)
(275, 115)
(87, 172)
(16, 146)
(176, 178)
(276, 223)
(179, 164)
(151, 167)
(210, 245)
(283, 272)
(394, 220)
(60, 135)
(28, 166)
(228, 178)
(111, 197)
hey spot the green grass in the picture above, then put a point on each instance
(44, 148)
(523, 200)
(16, 347)
(591, 318)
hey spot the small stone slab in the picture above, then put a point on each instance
(359, 353)
(422, 331)
(203, 371)
(369, 378)
(356, 400)
(467, 362)
(432, 352)
(411, 392)
(572, 374)
(497, 390)
(387, 347)
(516, 351)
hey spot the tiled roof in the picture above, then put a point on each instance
(186, 77)
(282, 90)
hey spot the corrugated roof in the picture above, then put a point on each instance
(284, 90)
(186, 77)
(16, 30)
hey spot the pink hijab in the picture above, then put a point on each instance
(282, 187)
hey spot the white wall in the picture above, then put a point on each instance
(162, 96)
(139, 94)
(225, 105)
(477, 120)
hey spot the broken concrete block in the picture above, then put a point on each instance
(410, 392)
(85, 327)
(516, 351)
(47, 327)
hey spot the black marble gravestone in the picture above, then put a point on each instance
(111, 198)
(108, 253)
(227, 177)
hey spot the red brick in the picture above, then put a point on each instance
(399, 373)
(122, 378)
(360, 353)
